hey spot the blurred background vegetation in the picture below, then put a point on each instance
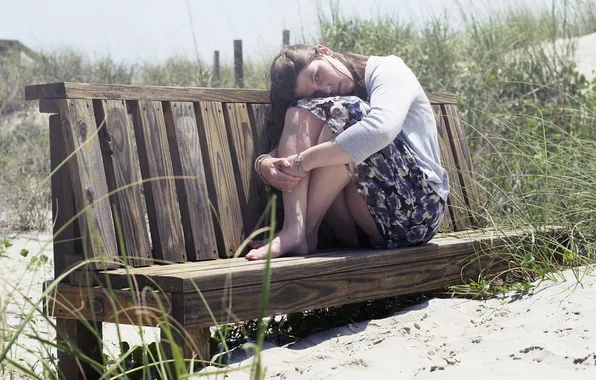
(530, 114)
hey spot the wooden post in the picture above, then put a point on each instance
(71, 333)
(238, 65)
(216, 72)
(286, 37)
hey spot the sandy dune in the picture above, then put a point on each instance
(549, 334)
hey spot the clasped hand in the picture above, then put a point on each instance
(281, 173)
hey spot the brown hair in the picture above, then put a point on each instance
(283, 75)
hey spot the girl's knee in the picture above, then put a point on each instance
(296, 116)
(325, 135)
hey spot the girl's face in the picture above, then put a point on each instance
(323, 77)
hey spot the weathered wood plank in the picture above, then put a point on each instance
(244, 151)
(214, 275)
(286, 296)
(121, 174)
(447, 223)
(49, 106)
(456, 201)
(159, 93)
(62, 199)
(459, 146)
(73, 334)
(69, 90)
(218, 167)
(197, 222)
(159, 185)
(259, 120)
(89, 183)
(194, 341)
(108, 305)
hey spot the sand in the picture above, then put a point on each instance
(547, 334)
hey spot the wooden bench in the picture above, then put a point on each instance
(163, 175)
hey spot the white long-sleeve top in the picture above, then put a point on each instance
(399, 106)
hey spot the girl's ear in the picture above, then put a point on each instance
(324, 50)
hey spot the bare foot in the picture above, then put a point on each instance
(256, 244)
(283, 243)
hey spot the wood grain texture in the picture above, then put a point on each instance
(62, 199)
(459, 146)
(244, 151)
(194, 341)
(127, 92)
(49, 106)
(108, 305)
(220, 274)
(75, 335)
(259, 121)
(330, 289)
(456, 201)
(447, 223)
(121, 174)
(219, 170)
(89, 183)
(159, 185)
(69, 90)
(197, 222)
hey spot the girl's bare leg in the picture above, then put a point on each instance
(331, 188)
(301, 131)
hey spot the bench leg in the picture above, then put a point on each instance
(194, 343)
(73, 334)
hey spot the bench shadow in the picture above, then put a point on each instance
(240, 354)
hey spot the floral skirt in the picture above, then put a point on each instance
(404, 207)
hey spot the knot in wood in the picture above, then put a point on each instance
(82, 132)
(95, 306)
(89, 195)
(107, 144)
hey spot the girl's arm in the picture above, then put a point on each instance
(394, 88)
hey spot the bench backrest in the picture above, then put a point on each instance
(166, 174)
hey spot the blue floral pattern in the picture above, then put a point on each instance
(405, 208)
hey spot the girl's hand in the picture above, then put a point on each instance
(271, 170)
(292, 169)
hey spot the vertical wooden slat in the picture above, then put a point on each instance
(183, 136)
(463, 162)
(243, 148)
(75, 335)
(456, 204)
(447, 224)
(259, 120)
(160, 189)
(88, 179)
(121, 174)
(62, 199)
(218, 167)
(459, 209)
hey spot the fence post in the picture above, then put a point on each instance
(238, 66)
(216, 81)
(286, 37)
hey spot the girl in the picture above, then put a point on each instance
(371, 167)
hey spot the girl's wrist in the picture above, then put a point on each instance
(306, 163)
(258, 163)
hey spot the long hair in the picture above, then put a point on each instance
(283, 75)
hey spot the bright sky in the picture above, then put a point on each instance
(150, 30)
